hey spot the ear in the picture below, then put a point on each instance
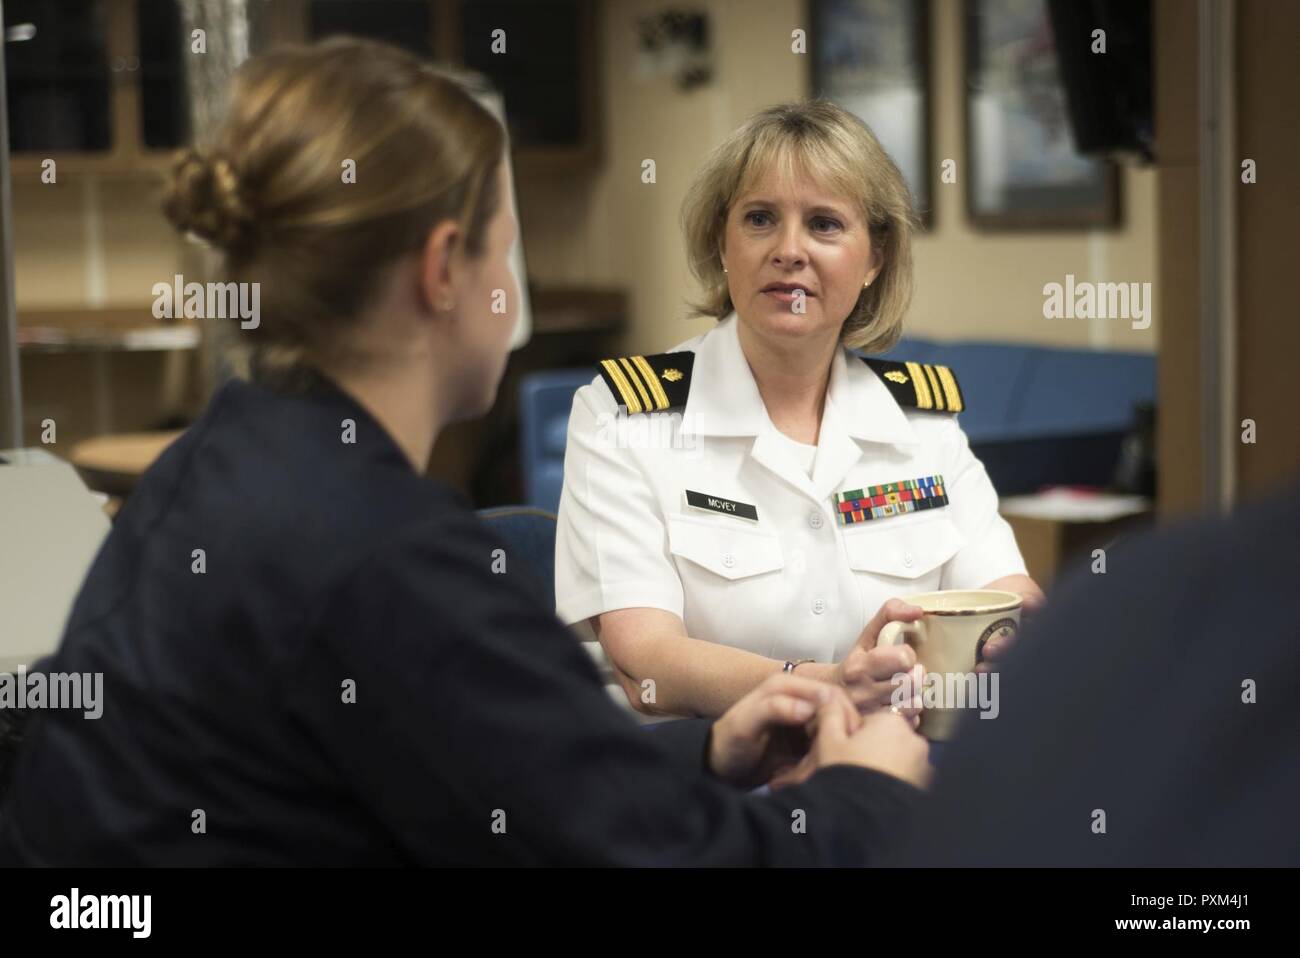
(875, 264)
(440, 267)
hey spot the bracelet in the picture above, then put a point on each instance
(791, 666)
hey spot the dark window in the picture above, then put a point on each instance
(540, 72)
(58, 79)
(163, 44)
(403, 23)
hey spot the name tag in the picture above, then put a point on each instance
(717, 504)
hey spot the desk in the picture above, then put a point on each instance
(52, 529)
(1057, 527)
(99, 372)
(114, 464)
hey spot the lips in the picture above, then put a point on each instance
(786, 288)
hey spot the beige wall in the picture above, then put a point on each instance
(91, 241)
(612, 229)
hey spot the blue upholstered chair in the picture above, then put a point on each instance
(545, 399)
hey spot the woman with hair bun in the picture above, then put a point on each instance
(307, 656)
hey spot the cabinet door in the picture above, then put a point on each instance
(58, 76)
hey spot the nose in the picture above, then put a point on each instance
(790, 252)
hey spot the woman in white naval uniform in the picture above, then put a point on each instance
(718, 521)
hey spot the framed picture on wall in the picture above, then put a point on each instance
(872, 57)
(1022, 168)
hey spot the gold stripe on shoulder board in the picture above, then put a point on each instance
(950, 388)
(923, 400)
(934, 387)
(648, 374)
(624, 387)
(635, 378)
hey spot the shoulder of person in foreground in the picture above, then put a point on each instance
(479, 731)
(1149, 717)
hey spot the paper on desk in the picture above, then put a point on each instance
(1069, 505)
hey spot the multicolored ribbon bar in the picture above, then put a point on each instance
(890, 499)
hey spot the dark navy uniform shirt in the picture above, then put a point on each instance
(1149, 717)
(479, 730)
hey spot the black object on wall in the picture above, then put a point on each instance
(1108, 94)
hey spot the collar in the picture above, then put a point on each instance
(306, 388)
(724, 399)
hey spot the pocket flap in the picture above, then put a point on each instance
(904, 547)
(724, 547)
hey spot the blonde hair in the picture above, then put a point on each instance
(841, 153)
(269, 188)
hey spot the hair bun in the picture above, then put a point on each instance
(205, 197)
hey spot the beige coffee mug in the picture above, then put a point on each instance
(948, 642)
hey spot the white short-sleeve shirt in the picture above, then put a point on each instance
(707, 511)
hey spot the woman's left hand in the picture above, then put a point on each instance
(768, 730)
(1032, 600)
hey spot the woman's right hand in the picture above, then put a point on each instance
(885, 741)
(868, 673)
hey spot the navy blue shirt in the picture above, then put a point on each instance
(479, 730)
(1149, 716)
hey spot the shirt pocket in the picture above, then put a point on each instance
(903, 549)
(724, 548)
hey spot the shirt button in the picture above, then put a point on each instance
(818, 606)
(815, 520)
(907, 559)
(728, 559)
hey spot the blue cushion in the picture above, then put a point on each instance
(528, 537)
(545, 400)
(1014, 391)
(1037, 415)
(1078, 392)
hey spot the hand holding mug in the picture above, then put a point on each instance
(1032, 599)
(868, 672)
(951, 638)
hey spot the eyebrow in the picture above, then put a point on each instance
(820, 209)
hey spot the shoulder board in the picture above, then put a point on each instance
(919, 385)
(649, 383)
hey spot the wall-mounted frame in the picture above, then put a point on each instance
(872, 57)
(1022, 169)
